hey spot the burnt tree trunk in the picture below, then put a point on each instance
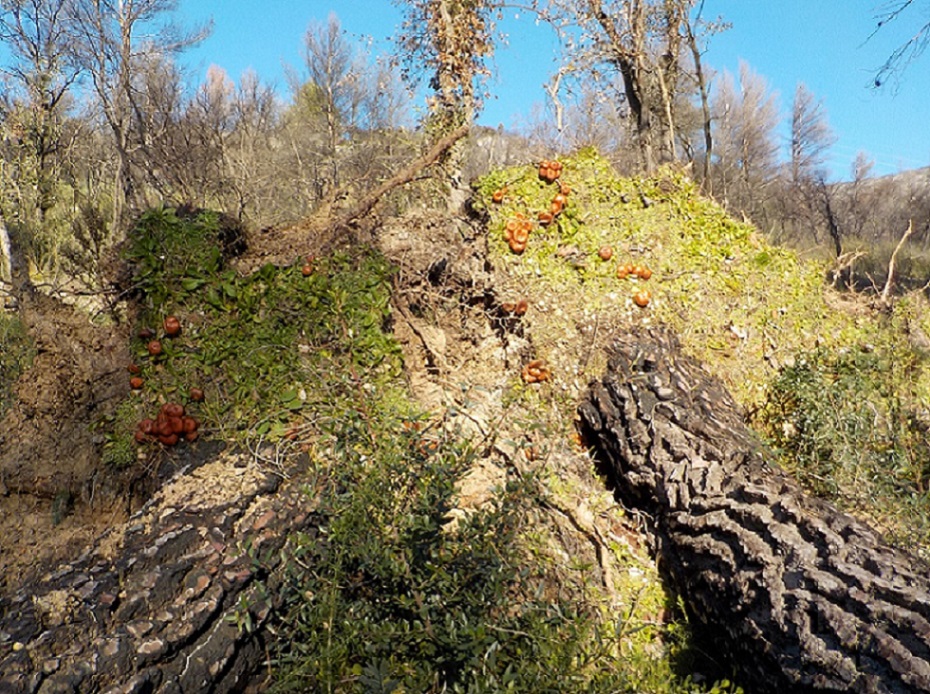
(174, 601)
(798, 596)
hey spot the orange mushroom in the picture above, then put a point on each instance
(641, 298)
(509, 228)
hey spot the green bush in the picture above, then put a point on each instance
(384, 596)
(850, 427)
(258, 346)
(385, 599)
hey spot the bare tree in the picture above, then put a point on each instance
(693, 40)
(811, 136)
(806, 202)
(340, 129)
(334, 103)
(41, 72)
(746, 115)
(111, 38)
(254, 113)
(824, 195)
(582, 113)
(386, 102)
(331, 89)
(859, 200)
(640, 41)
(160, 137)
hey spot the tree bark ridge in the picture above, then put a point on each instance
(798, 596)
(174, 601)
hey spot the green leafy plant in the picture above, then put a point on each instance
(387, 596)
(256, 346)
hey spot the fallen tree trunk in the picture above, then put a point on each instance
(173, 601)
(798, 596)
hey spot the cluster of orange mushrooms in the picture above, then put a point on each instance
(642, 296)
(549, 171)
(536, 372)
(171, 425)
(516, 308)
(517, 230)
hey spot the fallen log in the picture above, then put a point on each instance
(173, 601)
(797, 596)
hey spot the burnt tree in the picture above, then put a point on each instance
(798, 596)
(176, 600)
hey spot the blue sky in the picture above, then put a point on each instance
(823, 43)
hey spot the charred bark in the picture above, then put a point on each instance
(174, 601)
(798, 596)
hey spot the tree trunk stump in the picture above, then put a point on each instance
(797, 596)
(174, 601)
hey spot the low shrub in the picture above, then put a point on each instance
(16, 354)
(850, 426)
(387, 596)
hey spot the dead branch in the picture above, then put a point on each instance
(844, 264)
(889, 282)
(404, 176)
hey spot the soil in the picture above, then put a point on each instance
(54, 493)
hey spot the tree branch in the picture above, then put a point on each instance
(404, 176)
(890, 281)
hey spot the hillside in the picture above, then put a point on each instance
(414, 385)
